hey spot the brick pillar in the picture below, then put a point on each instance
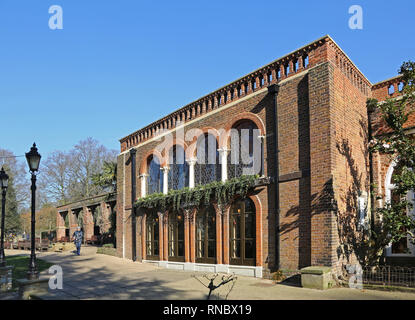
(321, 162)
(143, 237)
(88, 222)
(161, 236)
(225, 224)
(300, 63)
(60, 225)
(274, 75)
(187, 235)
(72, 222)
(282, 71)
(192, 222)
(258, 82)
(105, 215)
(219, 244)
(165, 236)
(265, 77)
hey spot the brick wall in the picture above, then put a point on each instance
(323, 162)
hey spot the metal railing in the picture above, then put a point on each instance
(389, 276)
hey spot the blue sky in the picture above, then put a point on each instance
(118, 65)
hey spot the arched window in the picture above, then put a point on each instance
(404, 246)
(155, 176)
(207, 167)
(178, 177)
(176, 236)
(246, 156)
(206, 235)
(242, 232)
(152, 236)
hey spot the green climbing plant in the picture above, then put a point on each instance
(223, 192)
(393, 223)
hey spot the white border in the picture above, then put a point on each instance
(249, 271)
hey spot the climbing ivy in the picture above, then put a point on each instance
(223, 192)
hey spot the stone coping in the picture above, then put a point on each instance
(315, 270)
(26, 282)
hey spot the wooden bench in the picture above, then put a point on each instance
(43, 245)
(64, 239)
(21, 244)
(92, 240)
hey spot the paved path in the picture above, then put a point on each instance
(97, 276)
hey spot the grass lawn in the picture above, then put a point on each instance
(108, 251)
(21, 264)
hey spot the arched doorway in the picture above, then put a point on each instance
(176, 236)
(206, 235)
(152, 236)
(242, 232)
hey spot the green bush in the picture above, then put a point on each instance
(108, 245)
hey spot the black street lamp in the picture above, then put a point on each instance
(33, 160)
(4, 179)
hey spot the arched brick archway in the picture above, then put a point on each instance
(225, 139)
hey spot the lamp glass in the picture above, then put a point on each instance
(33, 158)
(4, 179)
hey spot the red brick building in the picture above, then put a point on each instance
(307, 111)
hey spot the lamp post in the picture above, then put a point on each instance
(4, 178)
(33, 160)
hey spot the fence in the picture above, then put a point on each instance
(389, 276)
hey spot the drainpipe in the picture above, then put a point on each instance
(371, 179)
(273, 89)
(133, 193)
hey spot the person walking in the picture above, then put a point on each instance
(77, 239)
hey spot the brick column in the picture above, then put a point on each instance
(60, 225)
(321, 162)
(225, 230)
(265, 77)
(219, 244)
(187, 235)
(192, 220)
(105, 216)
(143, 237)
(274, 75)
(72, 222)
(88, 222)
(165, 236)
(161, 236)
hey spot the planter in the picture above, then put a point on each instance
(317, 277)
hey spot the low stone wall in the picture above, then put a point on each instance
(62, 246)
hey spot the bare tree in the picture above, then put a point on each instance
(55, 178)
(88, 158)
(20, 175)
(68, 176)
